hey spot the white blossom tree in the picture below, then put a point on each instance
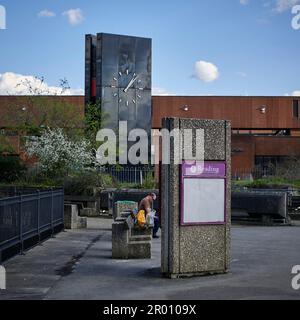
(58, 154)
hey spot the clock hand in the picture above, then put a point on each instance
(130, 83)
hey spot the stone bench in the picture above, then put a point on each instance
(71, 218)
(129, 241)
(89, 212)
(267, 206)
(89, 206)
(121, 206)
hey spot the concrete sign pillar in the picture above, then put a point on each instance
(195, 203)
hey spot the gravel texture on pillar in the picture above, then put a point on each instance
(196, 248)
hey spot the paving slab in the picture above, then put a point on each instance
(77, 264)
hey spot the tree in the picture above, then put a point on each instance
(289, 169)
(5, 146)
(30, 114)
(94, 120)
(59, 155)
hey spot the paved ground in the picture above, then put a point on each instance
(78, 265)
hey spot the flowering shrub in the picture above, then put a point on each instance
(57, 154)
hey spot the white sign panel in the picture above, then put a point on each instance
(203, 201)
(2, 278)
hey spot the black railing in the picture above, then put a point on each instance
(27, 219)
(136, 175)
(12, 191)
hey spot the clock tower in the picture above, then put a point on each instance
(118, 72)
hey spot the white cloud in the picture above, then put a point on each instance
(17, 84)
(156, 91)
(75, 16)
(244, 2)
(206, 71)
(295, 93)
(46, 14)
(283, 5)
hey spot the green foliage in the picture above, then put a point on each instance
(128, 185)
(149, 181)
(5, 146)
(289, 169)
(287, 174)
(11, 168)
(87, 183)
(95, 119)
(274, 182)
(30, 115)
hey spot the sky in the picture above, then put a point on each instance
(200, 47)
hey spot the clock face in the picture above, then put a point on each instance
(126, 80)
(127, 104)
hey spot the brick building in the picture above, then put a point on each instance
(264, 129)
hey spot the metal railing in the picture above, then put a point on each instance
(265, 172)
(136, 175)
(29, 216)
(12, 191)
(256, 173)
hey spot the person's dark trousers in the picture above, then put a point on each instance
(156, 225)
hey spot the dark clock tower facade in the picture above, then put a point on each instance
(118, 72)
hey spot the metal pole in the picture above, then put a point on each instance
(21, 222)
(52, 228)
(63, 208)
(38, 214)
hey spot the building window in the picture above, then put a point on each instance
(296, 108)
(266, 165)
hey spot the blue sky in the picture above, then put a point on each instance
(200, 47)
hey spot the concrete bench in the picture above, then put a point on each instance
(72, 219)
(89, 206)
(122, 206)
(129, 241)
(268, 206)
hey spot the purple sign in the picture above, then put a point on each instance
(203, 192)
(203, 169)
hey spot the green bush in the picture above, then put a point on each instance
(87, 183)
(11, 168)
(149, 181)
(128, 185)
(273, 182)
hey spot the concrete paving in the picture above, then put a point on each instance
(77, 264)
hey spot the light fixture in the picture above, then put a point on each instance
(24, 108)
(185, 108)
(262, 109)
